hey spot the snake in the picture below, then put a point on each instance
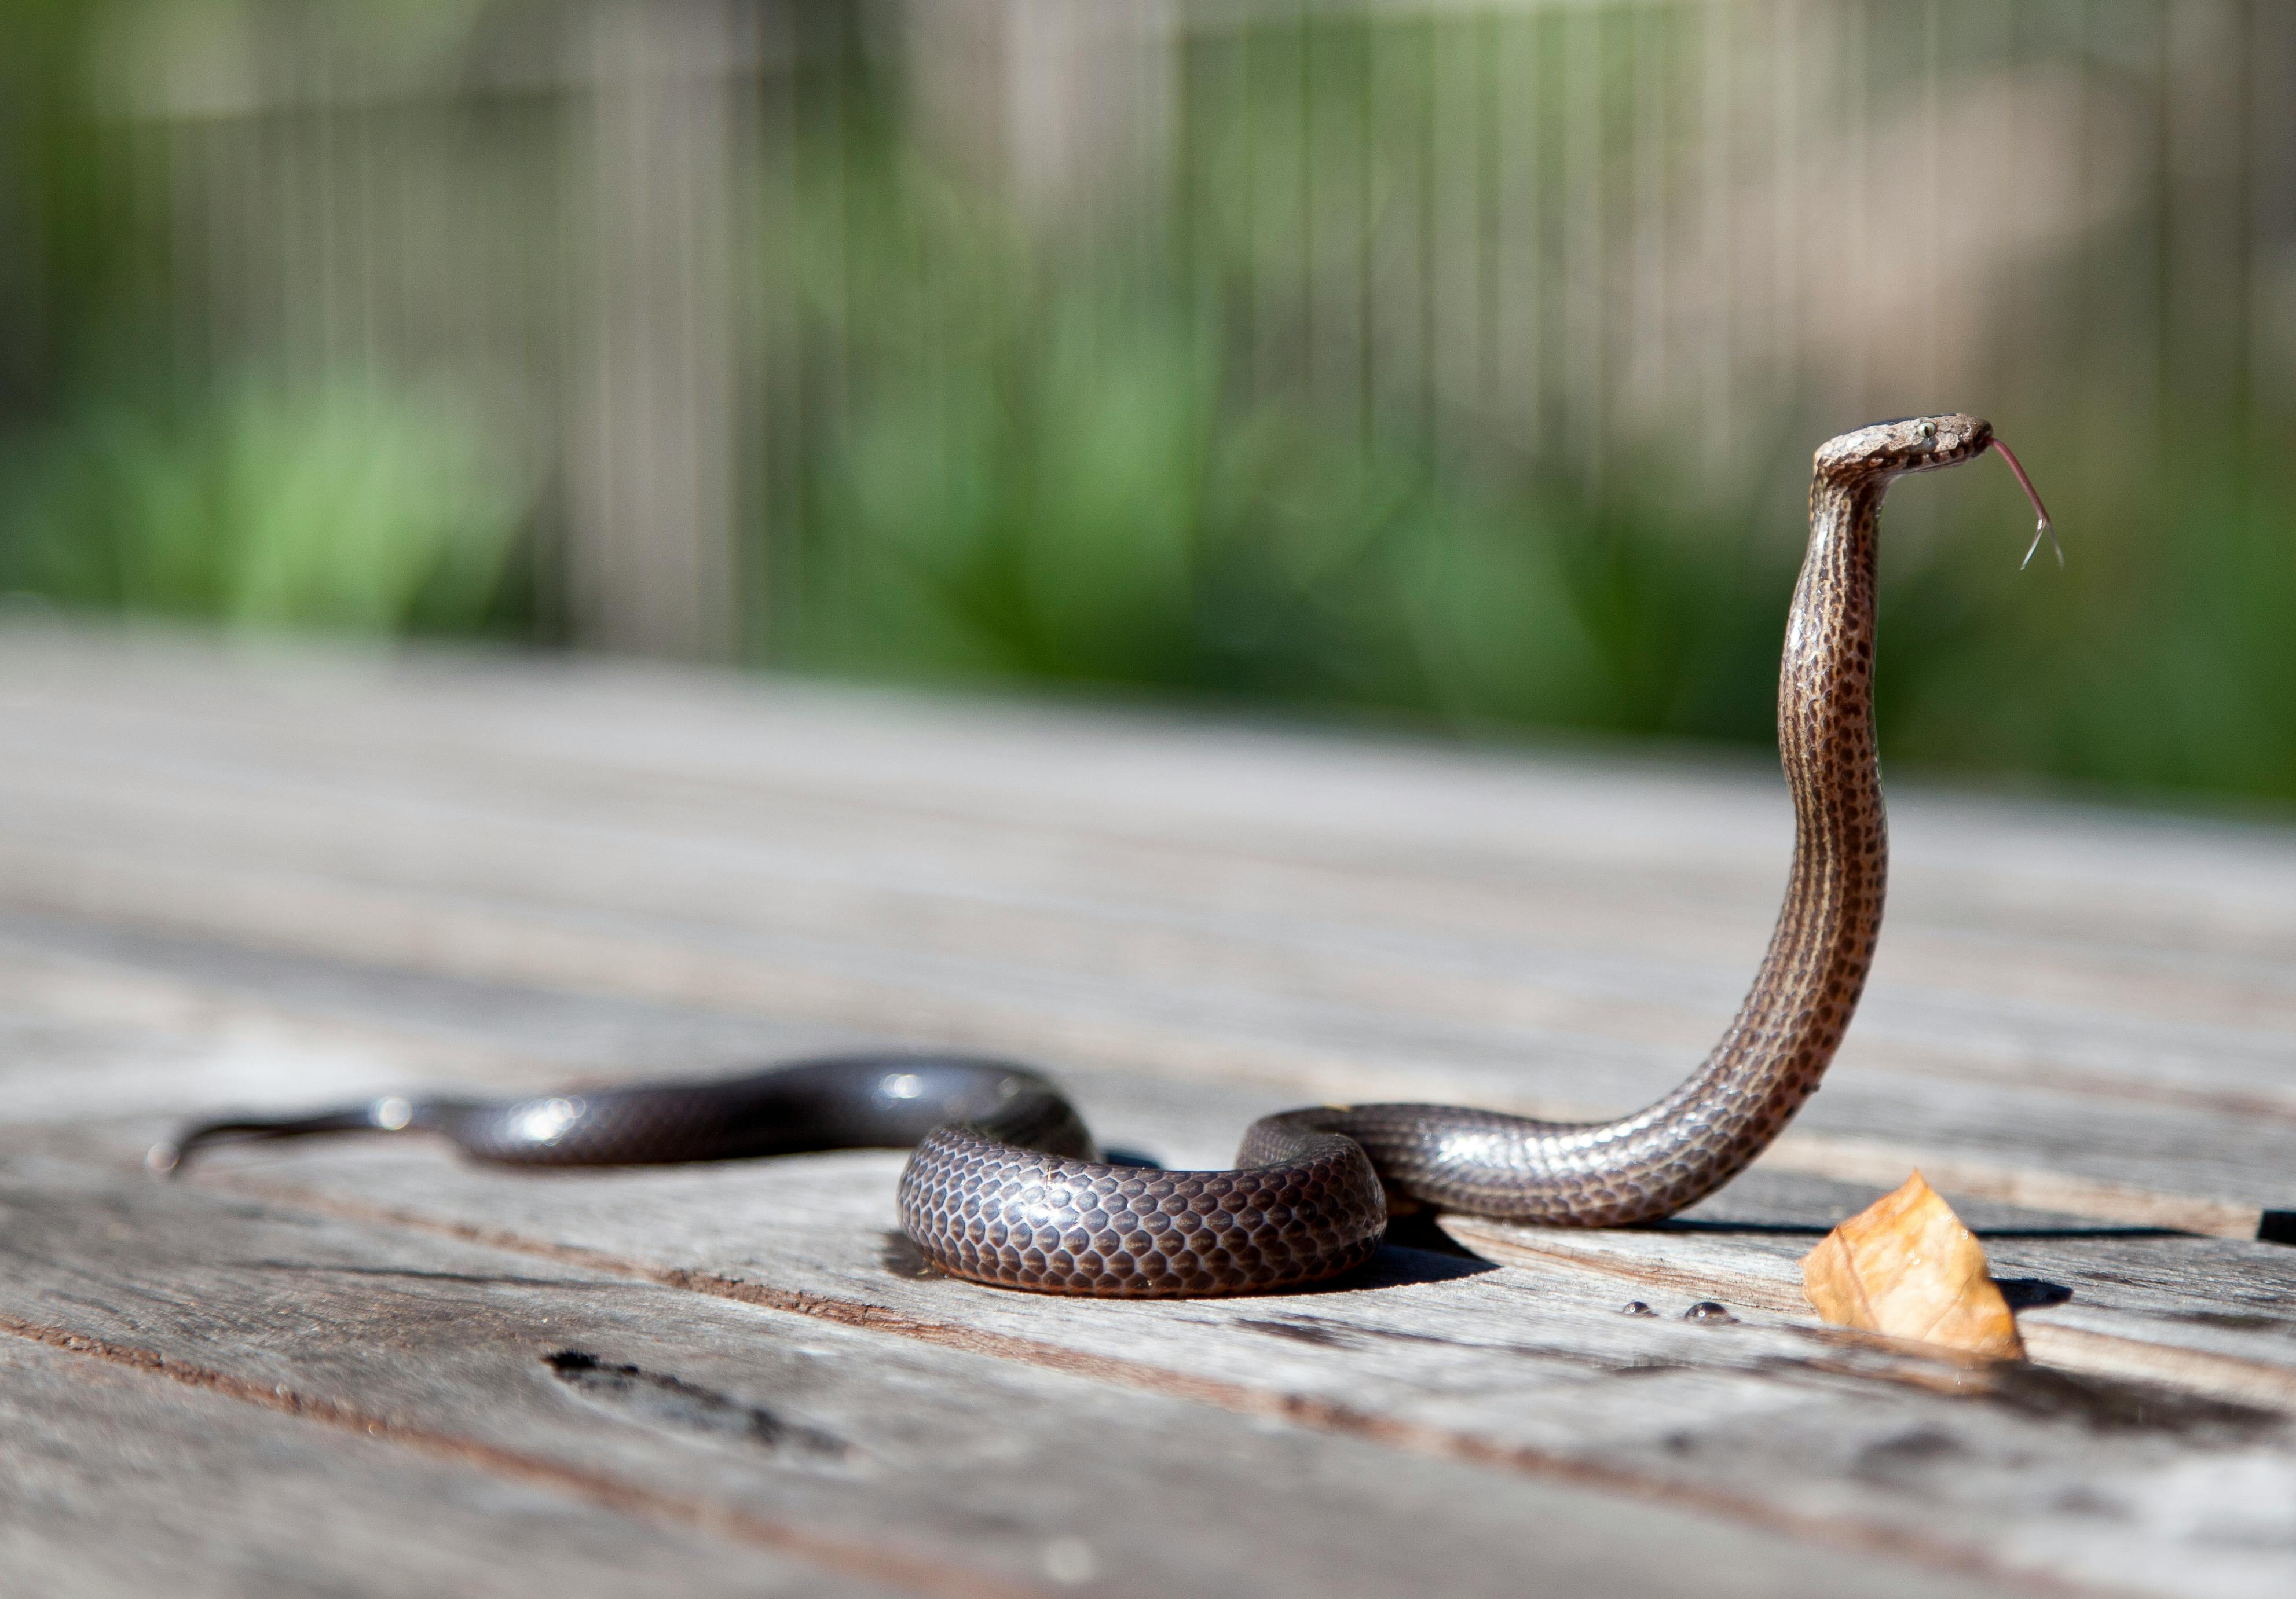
(1004, 1185)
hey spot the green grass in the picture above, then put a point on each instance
(338, 504)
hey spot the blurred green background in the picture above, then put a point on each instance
(1457, 363)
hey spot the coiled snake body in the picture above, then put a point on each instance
(1005, 1186)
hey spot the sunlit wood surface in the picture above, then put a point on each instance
(286, 878)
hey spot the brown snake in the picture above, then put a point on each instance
(1005, 1186)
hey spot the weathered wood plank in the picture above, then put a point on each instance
(927, 1466)
(1765, 1420)
(116, 1480)
(1451, 819)
(1611, 900)
(671, 742)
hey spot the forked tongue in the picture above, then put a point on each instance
(2044, 527)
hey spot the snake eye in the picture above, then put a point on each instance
(1928, 429)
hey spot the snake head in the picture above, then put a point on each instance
(1890, 450)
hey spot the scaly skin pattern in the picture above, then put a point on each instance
(984, 1209)
(1004, 1186)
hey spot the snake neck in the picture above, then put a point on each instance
(1793, 1020)
(1768, 1061)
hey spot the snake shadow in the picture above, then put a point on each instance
(1415, 1249)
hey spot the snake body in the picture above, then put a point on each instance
(1004, 1185)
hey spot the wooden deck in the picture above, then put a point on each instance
(286, 879)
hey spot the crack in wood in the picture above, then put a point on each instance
(478, 1279)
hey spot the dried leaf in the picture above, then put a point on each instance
(1906, 1266)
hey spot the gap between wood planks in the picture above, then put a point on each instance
(869, 1561)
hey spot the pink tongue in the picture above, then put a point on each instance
(2045, 529)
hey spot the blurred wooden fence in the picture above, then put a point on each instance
(654, 236)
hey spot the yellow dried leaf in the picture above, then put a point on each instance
(1906, 1266)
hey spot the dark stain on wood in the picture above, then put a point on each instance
(1906, 1458)
(661, 1400)
(2244, 1321)
(1301, 1332)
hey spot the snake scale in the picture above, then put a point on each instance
(1005, 1186)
